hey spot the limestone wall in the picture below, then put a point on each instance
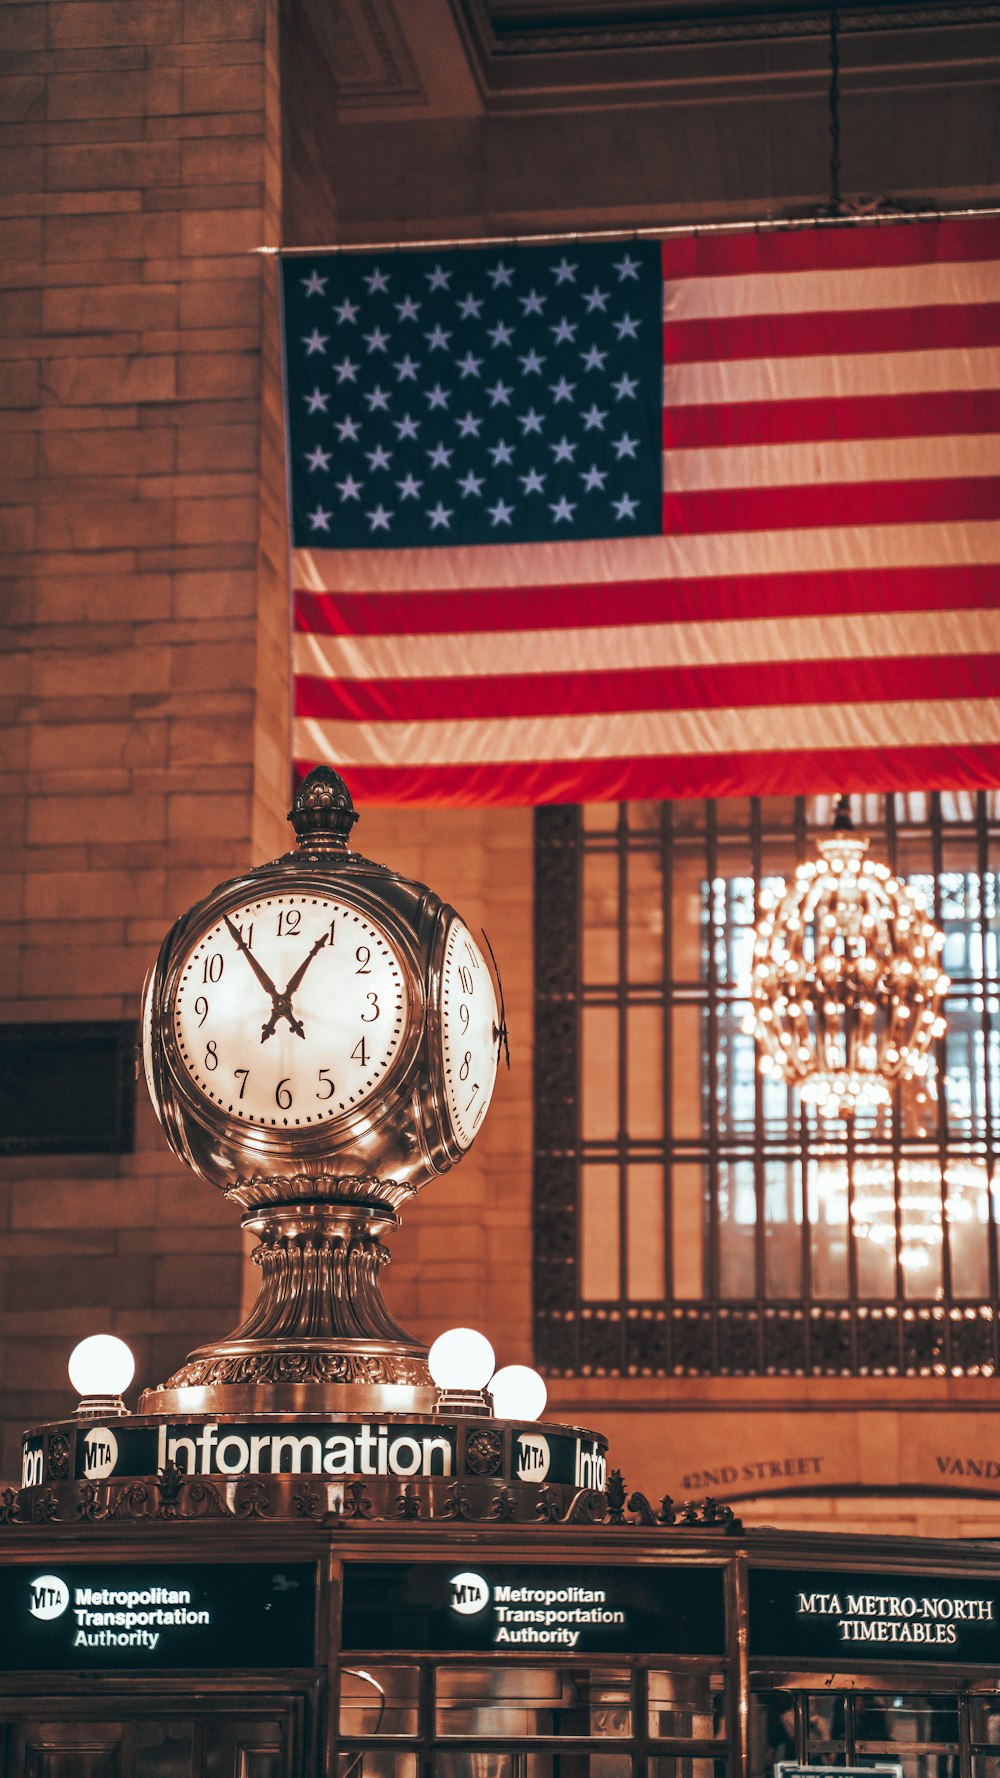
(136, 163)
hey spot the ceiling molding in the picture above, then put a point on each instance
(367, 55)
(703, 24)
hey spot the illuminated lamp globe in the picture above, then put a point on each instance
(461, 1359)
(101, 1368)
(518, 1392)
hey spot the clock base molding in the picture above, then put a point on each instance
(260, 1190)
(319, 1334)
(297, 1376)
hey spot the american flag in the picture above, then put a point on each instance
(712, 515)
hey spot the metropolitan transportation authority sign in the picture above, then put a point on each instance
(68, 1616)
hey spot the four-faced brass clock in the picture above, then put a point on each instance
(322, 1015)
(320, 1039)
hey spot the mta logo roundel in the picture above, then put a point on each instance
(48, 1596)
(469, 1593)
(100, 1453)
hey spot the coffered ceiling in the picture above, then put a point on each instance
(422, 118)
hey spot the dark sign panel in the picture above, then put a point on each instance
(67, 1088)
(396, 1450)
(522, 1608)
(59, 1617)
(841, 1616)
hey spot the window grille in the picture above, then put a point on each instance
(691, 1217)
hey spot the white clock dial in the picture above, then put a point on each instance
(468, 1033)
(290, 1010)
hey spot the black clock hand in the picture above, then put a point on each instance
(500, 1033)
(261, 974)
(279, 1002)
(282, 1007)
(294, 980)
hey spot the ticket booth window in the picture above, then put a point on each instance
(596, 1720)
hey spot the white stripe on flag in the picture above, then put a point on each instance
(833, 460)
(847, 374)
(632, 647)
(816, 292)
(611, 560)
(650, 733)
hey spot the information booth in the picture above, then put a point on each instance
(319, 1551)
(253, 1630)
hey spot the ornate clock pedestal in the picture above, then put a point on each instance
(319, 1337)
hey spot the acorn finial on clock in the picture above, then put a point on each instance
(322, 808)
(319, 1043)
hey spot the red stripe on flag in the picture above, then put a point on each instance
(686, 775)
(646, 602)
(843, 503)
(932, 415)
(479, 697)
(831, 333)
(830, 248)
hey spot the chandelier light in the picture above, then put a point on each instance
(929, 1196)
(846, 986)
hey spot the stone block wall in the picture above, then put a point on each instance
(142, 740)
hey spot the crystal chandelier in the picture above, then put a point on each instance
(846, 986)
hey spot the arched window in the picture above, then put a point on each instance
(691, 1217)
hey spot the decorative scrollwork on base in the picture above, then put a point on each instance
(298, 1367)
(57, 1457)
(176, 1497)
(458, 1503)
(616, 1494)
(252, 1501)
(484, 1453)
(306, 1503)
(503, 1505)
(357, 1504)
(548, 1506)
(589, 1508)
(638, 1504)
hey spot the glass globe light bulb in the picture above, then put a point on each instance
(461, 1359)
(518, 1392)
(102, 1364)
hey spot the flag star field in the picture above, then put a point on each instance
(502, 396)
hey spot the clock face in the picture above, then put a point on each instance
(290, 1010)
(468, 1032)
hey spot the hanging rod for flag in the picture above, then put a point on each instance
(873, 219)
